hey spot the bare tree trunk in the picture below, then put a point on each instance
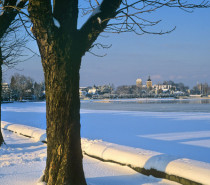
(1, 136)
(64, 154)
(61, 59)
(61, 48)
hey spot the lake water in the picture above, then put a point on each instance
(149, 105)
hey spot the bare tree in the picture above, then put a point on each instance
(1, 136)
(20, 84)
(38, 90)
(8, 11)
(62, 46)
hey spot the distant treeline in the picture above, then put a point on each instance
(22, 88)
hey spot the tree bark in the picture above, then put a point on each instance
(61, 60)
(61, 63)
(61, 50)
(64, 154)
(1, 136)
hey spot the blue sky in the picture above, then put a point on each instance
(181, 56)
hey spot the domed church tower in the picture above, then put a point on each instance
(149, 83)
(139, 82)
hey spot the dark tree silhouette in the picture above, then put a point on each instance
(8, 11)
(1, 136)
(62, 46)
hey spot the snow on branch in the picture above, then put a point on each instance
(56, 22)
(96, 11)
(130, 16)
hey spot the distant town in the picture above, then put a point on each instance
(22, 88)
(147, 90)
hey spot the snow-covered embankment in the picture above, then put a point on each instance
(182, 170)
(35, 133)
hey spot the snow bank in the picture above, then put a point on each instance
(187, 169)
(35, 133)
(118, 153)
(138, 158)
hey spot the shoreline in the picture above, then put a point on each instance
(107, 100)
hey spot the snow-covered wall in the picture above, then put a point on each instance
(35, 133)
(192, 170)
(138, 158)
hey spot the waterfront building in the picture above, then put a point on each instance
(139, 83)
(92, 91)
(5, 86)
(149, 83)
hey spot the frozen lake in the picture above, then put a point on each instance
(175, 127)
(150, 105)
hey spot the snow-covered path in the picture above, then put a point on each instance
(23, 160)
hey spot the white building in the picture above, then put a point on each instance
(92, 91)
(139, 82)
(162, 87)
(5, 86)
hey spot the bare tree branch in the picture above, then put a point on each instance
(128, 16)
(96, 24)
(10, 42)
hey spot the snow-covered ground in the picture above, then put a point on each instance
(180, 134)
(22, 161)
(128, 156)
